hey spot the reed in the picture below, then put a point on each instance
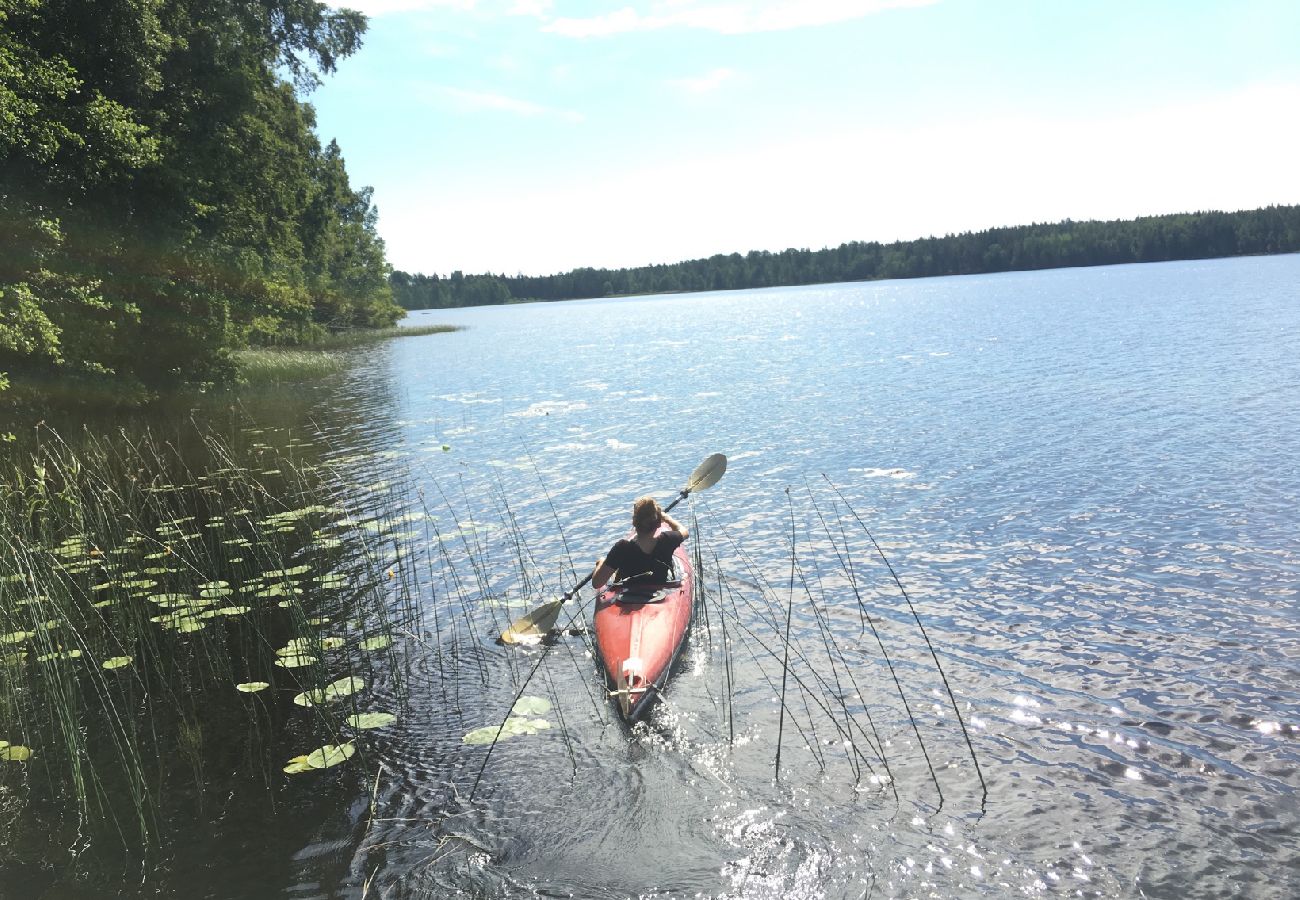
(279, 365)
(360, 337)
(159, 607)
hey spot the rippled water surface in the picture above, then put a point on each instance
(1085, 480)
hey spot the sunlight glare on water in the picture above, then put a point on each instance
(1085, 481)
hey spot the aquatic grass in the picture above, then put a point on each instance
(360, 337)
(108, 670)
(278, 365)
(323, 357)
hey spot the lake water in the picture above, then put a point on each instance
(1085, 480)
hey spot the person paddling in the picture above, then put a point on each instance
(647, 557)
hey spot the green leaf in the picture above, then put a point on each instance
(16, 753)
(381, 642)
(330, 755)
(116, 662)
(371, 720)
(530, 706)
(513, 726)
(252, 687)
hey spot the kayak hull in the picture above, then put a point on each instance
(639, 634)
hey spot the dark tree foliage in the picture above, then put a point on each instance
(163, 195)
(1275, 229)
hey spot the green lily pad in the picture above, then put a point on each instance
(337, 690)
(277, 590)
(59, 654)
(297, 766)
(332, 581)
(16, 637)
(531, 706)
(513, 726)
(252, 687)
(295, 646)
(332, 643)
(116, 662)
(330, 755)
(287, 573)
(168, 599)
(232, 610)
(381, 642)
(296, 661)
(371, 720)
(15, 753)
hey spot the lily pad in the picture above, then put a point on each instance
(15, 753)
(116, 662)
(371, 720)
(337, 690)
(531, 706)
(287, 573)
(296, 661)
(277, 590)
(59, 654)
(514, 725)
(381, 642)
(232, 610)
(297, 766)
(16, 637)
(332, 581)
(252, 687)
(330, 755)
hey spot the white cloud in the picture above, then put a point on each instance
(479, 101)
(1232, 151)
(742, 17)
(703, 84)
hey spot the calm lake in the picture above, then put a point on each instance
(1085, 480)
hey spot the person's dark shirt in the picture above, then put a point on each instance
(633, 563)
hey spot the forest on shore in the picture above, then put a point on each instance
(1200, 235)
(164, 198)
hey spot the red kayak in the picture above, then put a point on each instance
(640, 630)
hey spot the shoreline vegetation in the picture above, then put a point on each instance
(1201, 235)
(328, 356)
(181, 620)
(165, 200)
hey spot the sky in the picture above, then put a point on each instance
(538, 136)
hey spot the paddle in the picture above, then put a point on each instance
(541, 620)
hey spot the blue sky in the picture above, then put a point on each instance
(536, 136)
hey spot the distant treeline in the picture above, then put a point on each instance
(1201, 235)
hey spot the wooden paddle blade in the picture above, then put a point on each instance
(707, 473)
(533, 627)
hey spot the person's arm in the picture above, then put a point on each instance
(601, 575)
(676, 526)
